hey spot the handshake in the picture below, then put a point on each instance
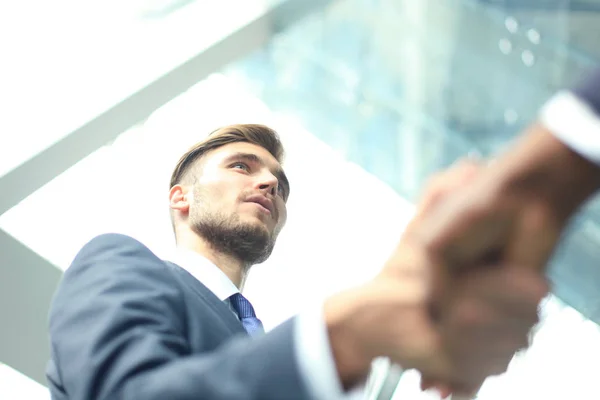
(460, 293)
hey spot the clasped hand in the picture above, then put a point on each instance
(456, 324)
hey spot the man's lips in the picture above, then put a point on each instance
(266, 203)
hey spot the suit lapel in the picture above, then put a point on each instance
(209, 298)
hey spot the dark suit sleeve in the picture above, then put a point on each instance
(589, 90)
(117, 330)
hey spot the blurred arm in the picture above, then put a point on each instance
(559, 158)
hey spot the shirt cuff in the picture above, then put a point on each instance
(315, 358)
(573, 122)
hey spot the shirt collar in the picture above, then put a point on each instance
(206, 272)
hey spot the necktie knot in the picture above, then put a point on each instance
(242, 306)
(246, 314)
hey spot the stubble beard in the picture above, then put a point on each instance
(227, 234)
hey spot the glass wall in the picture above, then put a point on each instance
(406, 88)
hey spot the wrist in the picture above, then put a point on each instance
(352, 362)
(544, 170)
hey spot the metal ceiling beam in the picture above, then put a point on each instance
(27, 284)
(27, 281)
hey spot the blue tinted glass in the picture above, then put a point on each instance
(404, 88)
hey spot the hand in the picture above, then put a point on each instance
(475, 334)
(482, 326)
(489, 315)
(514, 212)
(389, 316)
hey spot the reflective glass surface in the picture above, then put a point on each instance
(406, 88)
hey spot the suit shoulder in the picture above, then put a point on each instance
(112, 239)
(114, 249)
(113, 242)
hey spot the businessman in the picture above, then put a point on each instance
(125, 324)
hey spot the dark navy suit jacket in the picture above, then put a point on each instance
(126, 325)
(589, 90)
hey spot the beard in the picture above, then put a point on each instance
(227, 234)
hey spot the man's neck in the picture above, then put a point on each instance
(231, 266)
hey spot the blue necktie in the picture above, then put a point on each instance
(245, 312)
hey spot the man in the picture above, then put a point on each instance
(516, 210)
(127, 325)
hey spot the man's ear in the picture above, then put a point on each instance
(179, 199)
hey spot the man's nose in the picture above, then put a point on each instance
(268, 182)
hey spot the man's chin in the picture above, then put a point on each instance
(247, 237)
(259, 223)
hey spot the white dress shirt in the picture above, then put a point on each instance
(574, 123)
(311, 340)
(206, 272)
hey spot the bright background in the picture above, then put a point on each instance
(370, 98)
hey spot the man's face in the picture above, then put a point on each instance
(238, 202)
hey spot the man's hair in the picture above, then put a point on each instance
(259, 135)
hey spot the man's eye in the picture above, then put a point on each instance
(240, 165)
